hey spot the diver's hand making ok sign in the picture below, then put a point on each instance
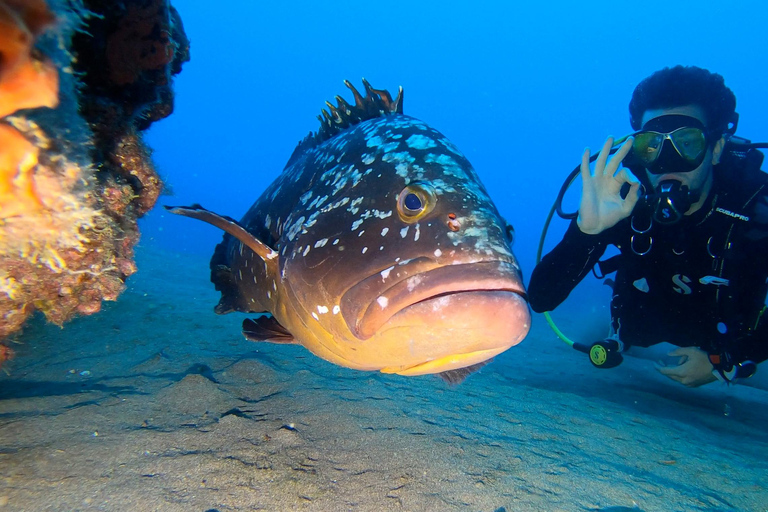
(601, 203)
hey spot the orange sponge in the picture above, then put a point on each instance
(25, 81)
(18, 159)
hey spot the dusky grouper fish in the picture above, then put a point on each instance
(377, 248)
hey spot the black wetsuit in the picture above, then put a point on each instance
(700, 282)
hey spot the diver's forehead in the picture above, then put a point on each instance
(694, 111)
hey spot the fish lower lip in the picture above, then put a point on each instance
(368, 306)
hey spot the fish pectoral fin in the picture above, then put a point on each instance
(458, 375)
(230, 226)
(266, 328)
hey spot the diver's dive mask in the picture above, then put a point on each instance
(669, 144)
(670, 201)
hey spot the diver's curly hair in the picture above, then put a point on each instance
(684, 85)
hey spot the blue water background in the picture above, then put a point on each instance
(520, 87)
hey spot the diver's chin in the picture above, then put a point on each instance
(454, 330)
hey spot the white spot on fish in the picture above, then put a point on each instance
(365, 249)
(317, 202)
(418, 232)
(386, 271)
(295, 228)
(368, 158)
(356, 224)
(322, 309)
(440, 303)
(336, 241)
(389, 147)
(321, 243)
(314, 315)
(384, 231)
(404, 232)
(336, 310)
(383, 301)
(438, 253)
(306, 251)
(413, 282)
(374, 141)
(333, 206)
(418, 141)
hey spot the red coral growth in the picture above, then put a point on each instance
(5, 354)
(133, 158)
(143, 41)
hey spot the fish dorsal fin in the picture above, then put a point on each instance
(458, 375)
(266, 328)
(339, 117)
(232, 227)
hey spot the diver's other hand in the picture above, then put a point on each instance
(601, 203)
(693, 369)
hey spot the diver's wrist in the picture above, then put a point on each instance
(587, 231)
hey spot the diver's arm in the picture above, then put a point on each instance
(601, 208)
(564, 267)
(753, 346)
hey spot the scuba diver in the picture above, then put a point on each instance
(688, 213)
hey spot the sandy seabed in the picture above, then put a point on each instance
(157, 404)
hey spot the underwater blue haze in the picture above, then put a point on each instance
(520, 87)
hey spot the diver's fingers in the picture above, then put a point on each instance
(633, 196)
(618, 156)
(624, 175)
(603, 157)
(683, 352)
(625, 148)
(673, 372)
(585, 172)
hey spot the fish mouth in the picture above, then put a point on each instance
(370, 304)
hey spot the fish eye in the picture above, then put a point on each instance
(510, 233)
(412, 202)
(415, 201)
